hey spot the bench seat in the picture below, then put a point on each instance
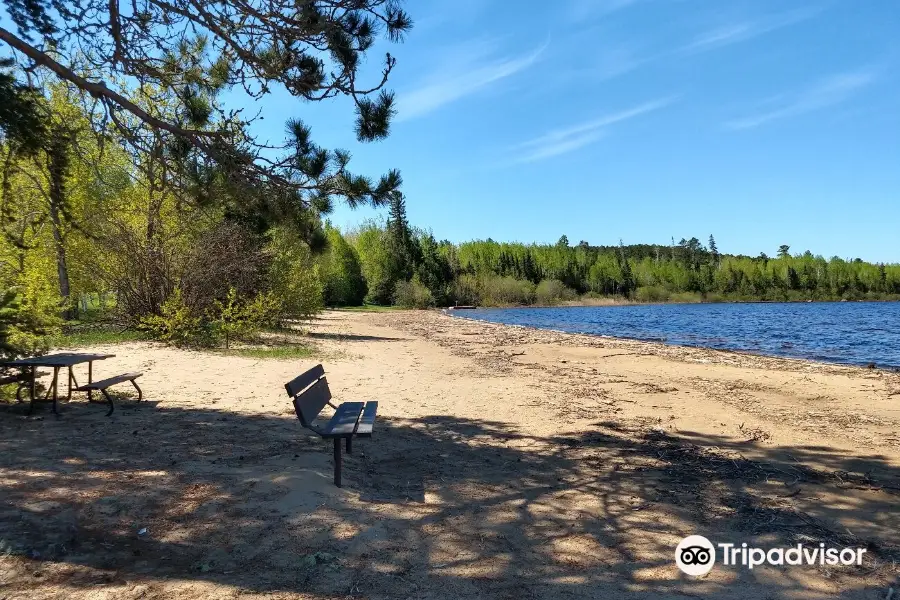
(103, 384)
(108, 382)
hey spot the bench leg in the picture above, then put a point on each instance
(140, 393)
(349, 445)
(337, 462)
(108, 399)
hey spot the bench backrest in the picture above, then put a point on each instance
(311, 394)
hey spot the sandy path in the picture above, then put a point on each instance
(507, 463)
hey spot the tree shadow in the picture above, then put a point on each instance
(437, 507)
(350, 337)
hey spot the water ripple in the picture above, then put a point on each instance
(855, 333)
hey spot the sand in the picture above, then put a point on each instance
(506, 463)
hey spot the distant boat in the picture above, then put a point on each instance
(462, 307)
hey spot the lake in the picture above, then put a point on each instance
(856, 333)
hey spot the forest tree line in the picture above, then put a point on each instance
(397, 264)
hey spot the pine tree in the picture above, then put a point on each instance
(399, 241)
(627, 284)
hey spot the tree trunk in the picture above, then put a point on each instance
(57, 163)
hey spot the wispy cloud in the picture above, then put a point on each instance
(742, 31)
(608, 61)
(468, 72)
(565, 140)
(827, 92)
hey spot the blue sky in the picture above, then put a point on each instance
(761, 122)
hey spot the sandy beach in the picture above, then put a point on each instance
(506, 463)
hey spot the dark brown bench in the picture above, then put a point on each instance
(310, 393)
(109, 382)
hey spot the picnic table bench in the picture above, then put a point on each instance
(28, 375)
(103, 384)
(310, 395)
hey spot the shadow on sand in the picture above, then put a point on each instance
(435, 507)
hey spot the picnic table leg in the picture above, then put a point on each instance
(54, 388)
(337, 462)
(33, 389)
(90, 379)
(71, 377)
(108, 399)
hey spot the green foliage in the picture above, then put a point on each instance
(370, 241)
(342, 276)
(467, 291)
(231, 319)
(412, 294)
(553, 291)
(433, 267)
(224, 321)
(505, 291)
(96, 337)
(401, 249)
(176, 324)
(651, 293)
(294, 278)
(21, 120)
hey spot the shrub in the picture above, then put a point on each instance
(412, 294)
(232, 318)
(686, 297)
(553, 291)
(651, 293)
(203, 263)
(224, 321)
(176, 324)
(466, 290)
(499, 291)
(265, 310)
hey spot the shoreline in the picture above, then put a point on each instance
(771, 391)
(615, 302)
(855, 365)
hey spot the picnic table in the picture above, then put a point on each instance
(29, 367)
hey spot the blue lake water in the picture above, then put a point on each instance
(856, 333)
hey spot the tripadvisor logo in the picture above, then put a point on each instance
(696, 555)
